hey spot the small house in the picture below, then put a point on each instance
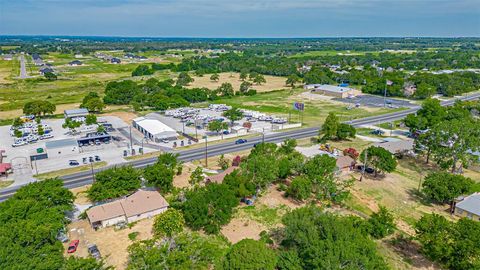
(468, 206)
(75, 63)
(140, 205)
(115, 60)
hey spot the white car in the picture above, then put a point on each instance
(19, 143)
(45, 136)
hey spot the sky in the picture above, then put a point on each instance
(241, 18)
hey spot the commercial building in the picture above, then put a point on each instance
(154, 129)
(82, 112)
(468, 206)
(140, 205)
(61, 147)
(331, 90)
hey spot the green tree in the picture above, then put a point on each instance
(250, 254)
(196, 177)
(381, 223)
(217, 126)
(40, 130)
(292, 80)
(244, 87)
(39, 107)
(226, 89)
(234, 114)
(184, 251)
(455, 140)
(184, 79)
(259, 79)
(324, 240)
(121, 92)
(215, 77)
(71, 125)
(289, 260)
(241, 185)
(75, 263)
(113, 183)
(320, 170)
(209, 207)
(330, 127)
(160, 176)
(92, 102)
(300, 188)
(169, 223)
(424, 90)
(142, 70)
(50, 76)
(345, 131)
(428, 116)
(243, 75)
(91, 119)
(17, 122)
(223, 162)
(380, 159)
(443, 187)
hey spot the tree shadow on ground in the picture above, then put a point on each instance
(409, 250)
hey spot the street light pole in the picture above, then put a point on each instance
(263, 135)
(131, 144)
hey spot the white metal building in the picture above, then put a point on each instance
(82, 112)
(154, 129)
(330, 90)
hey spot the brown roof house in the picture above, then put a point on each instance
(140, 205)
(218, 178)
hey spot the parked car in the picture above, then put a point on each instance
(240, 141)
(19, 143)
(97, 158)
(367, 170)
(73, 163)
(84, 160)
(90, 159)
(165, 141)
(62, 237)
(377, 132)
(73, 246)
(94, 252)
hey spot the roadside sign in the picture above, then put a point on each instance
(298, 106)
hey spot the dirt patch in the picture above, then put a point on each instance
(181, 181)
(241, 228)
(275, 198)
(273, 82)
(111, 243)
(80, 194)
(59, 110)
(126, 117)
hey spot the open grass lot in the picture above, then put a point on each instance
(7, 70)
(280, 103)
(72, 84)
(273, 82)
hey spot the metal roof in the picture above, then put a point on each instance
(76, 111)
(470, 204)
(154, 127)
(333, 88)
(61, 143)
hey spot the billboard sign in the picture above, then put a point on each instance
(298, 106)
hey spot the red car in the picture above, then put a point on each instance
(73, 246)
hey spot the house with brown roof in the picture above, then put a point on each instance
(140, 205)
(218, 178)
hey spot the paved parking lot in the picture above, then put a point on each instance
(376, 101)
(24, 170)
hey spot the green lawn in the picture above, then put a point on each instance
(280, 103)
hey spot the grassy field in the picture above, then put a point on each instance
(63, 172)
(72, 84)
(273, 82)
(280, 103)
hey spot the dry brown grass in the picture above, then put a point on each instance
(273, 82)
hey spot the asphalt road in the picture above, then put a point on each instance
(85, 177)
(23, 68)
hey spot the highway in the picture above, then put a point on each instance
(85, 177)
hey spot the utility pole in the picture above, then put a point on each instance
(385, 94)
(93, 175)
(206, 151)
(131, 144)
(263, 135)
(364, 165)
